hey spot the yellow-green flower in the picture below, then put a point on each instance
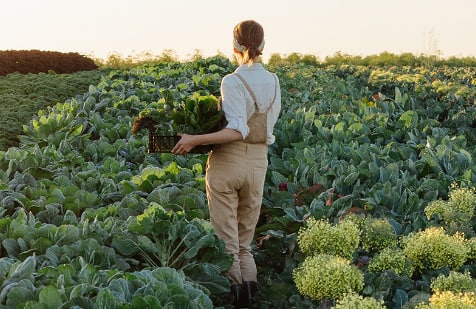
(327, 276)
(449, 299)
(356, 301)
(377, 234)
(459, 207)
(463, 200)
(455, 281)
(391, 259)
(320, 237)
(434, 249)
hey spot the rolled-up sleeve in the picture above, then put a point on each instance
(234, 105)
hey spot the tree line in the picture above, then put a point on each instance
(382, 59)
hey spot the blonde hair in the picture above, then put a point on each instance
(248, 40)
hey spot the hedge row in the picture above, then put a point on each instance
(36, 61)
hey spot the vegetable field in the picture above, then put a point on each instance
(22, 96)
(368, 199)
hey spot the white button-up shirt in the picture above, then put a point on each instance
(238, 105)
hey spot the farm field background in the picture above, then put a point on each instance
(89, 219)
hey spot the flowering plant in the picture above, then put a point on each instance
(434, 249)
(472, 248)
(460, 206)
(449, 299)
(354, 300)
(391, 259)
(455, 281)
(377, 234)
(320, 237)
(327, 276)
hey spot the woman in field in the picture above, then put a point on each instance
(236, 167)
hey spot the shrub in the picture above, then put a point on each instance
(433, 249)
(377, 234)
(448, 299)
(455, 282)
(356, 301)
(439, 209)
(463, 200)
(472, 248)
(327, 276)
(391, 259)
(36, 61)
(460, 227)
(320, 237)
(459, 207)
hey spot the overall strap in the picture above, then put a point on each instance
(253, 94)
(249, 90)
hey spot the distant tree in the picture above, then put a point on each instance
(275, 60)
(339, 58)
(309, 60)
(294, 58)
(460, 62)
(383, 59)
(114, 60)
(407, 59)
(168, 55)
(197, 55)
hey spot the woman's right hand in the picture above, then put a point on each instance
(185, 144)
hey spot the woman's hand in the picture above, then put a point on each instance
(184, 145)
(187, 142)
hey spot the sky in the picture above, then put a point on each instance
(322, 28)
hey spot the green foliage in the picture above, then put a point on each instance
(356, 301)
(24, 95)
(434, 249)
(472, 248)
(442, 209)
(455, 281)
(197, 114)
(417, 299)
(79, 192)
(324, 276)
(463, 200)
(117, 61)
(377, 234)
(459, 206)
(276, 60)
(161, 287)
(403, 59)
(320, 237)
(164, 238)
(448, 299)
(392, 259)
(166, 286)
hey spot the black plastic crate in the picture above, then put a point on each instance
(165, 143)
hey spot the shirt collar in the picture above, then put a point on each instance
(246, 67)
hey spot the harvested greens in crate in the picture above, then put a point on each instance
(196, 114)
